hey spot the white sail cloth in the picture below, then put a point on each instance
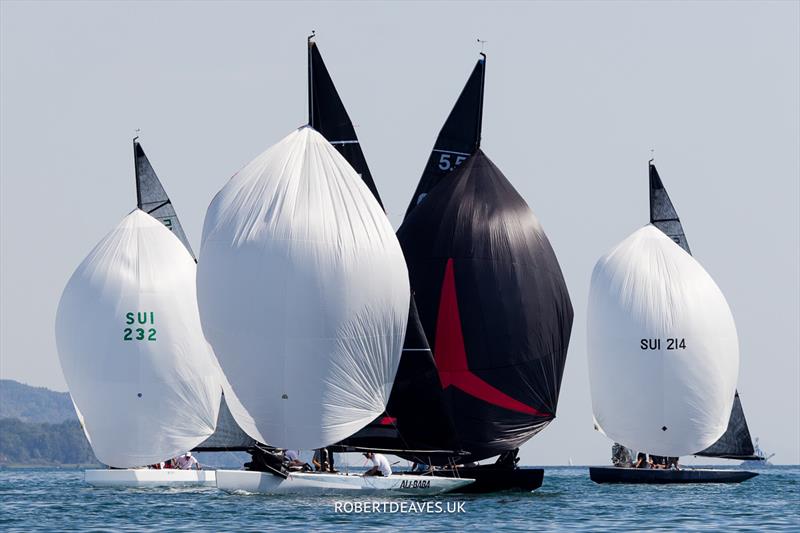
(650, 393)
(132, 349)
(303, 294)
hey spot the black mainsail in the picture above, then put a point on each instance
(489, 289)
(153, 200)
(662, 213)
(151, 197)
(736, 442)
(416, 419)
(327, 115)
(459, 138)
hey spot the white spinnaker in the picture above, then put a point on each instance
(156, 395)
(663, 401)
(303, 294)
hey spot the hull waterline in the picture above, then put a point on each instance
(610, 474)
(492, 479)
(146, 477)
(316, 483)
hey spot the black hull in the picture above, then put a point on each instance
(492, 479)
(610, 474)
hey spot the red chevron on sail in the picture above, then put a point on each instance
(451, 356)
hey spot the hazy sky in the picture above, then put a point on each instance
(576, 96)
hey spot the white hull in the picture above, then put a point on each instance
(146, 477)
(311, 483)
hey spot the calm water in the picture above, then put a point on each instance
(58, 500)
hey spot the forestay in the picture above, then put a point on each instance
(303, 294)
(662, 348)
(132, 350)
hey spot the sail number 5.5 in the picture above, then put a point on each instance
(656, 344)
(146, 330)
(450, 160)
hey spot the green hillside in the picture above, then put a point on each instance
(30, 443)
(34, 404)
(39, 426)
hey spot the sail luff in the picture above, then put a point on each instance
(459, 137)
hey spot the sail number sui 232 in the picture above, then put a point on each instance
(143, 319)
(656, 344)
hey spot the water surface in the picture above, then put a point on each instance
(58, 500)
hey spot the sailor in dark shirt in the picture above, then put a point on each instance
(641, 461)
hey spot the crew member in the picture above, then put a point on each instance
(381, 466)
(186, 462)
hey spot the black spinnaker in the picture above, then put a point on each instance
(491, 296)
(153, 200)
(416, 419)
(736, 442)
(493, 304)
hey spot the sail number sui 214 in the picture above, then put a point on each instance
(655, 344)
(140, 318)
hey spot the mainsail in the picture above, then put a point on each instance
(736, 442)
(459, 138)
(416, 417)
(151, 197)
(662, 213)
(303, 294)
(493, 305)
(138, 367)
(327, 115)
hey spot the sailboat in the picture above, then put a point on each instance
(500, 328)
(304, 296)
(418, 422)
(664, 354)
(143, 379)
(491, 297)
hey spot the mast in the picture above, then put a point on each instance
(327, 115)
(736, 442)
(460, 136)
(151, 197)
